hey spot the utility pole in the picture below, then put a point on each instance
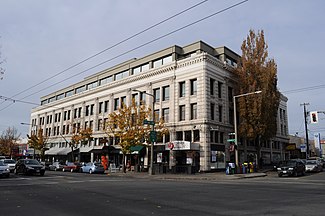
(306, 129)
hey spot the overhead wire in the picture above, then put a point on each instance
(140, 46)
(111, 47)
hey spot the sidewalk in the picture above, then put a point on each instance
(198, 176)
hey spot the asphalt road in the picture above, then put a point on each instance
(81, 194)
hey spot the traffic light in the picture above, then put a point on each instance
(314, 117)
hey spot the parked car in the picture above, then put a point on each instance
(313, 166)
(4, 169)
(92, 168)
(72, 167)
(320, 160)
(11, 164)
(29, 166)
(291, 168)
(56, 166)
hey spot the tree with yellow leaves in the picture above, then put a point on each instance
(80, 136)
(38, 142)
(127, 125)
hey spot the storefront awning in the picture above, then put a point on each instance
(58, 151)
(86, 148)
(136, 149)
(64, 151)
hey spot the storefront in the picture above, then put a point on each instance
(184, 156)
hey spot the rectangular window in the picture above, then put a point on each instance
(140, 69)
(230, 93)
(216, 137)
(65, 115)
(105, 123)
(106, 80)
(100, 107)
(165, 93)
(122, 75)
(142, 98)
(220, 113)
(221, 137)
(162, 61)
(79, 112)
(106, 106)
(63, 129)
(60, 96)
(91, 125)
(135, 97)
(182, 89)
(80, 89)
(156, 93)
(212, 83)
(165, 114)
(87, 111)
(179, 135)
(123, 101)
(136, 70)
(182, 113)
(212, 110)
(196, 135)
(188, 136)
(157, 113)
(69, 114)
(194, 87)
(52, 99)
(231, 116)
(69, 93)
(193, 111)
(100, 124)
(92, 85)
(92, 109)
(220, 89)
(116, 103)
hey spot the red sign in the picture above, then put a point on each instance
(171, 145)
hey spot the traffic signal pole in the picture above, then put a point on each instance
(306, 129)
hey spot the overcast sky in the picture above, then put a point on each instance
(40, 38)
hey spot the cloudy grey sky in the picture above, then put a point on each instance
(40, 38)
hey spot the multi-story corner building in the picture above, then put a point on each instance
(193, 88)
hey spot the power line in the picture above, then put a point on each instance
(138, 47)
(4, 98)
(304, 89)
(113, 46)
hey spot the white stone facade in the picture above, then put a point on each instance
(202, 71)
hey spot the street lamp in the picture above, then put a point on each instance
(235, 123)
(153, 128)
(31, 133)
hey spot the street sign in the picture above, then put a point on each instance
(153, 136)
(148, 122)
(231, 140)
